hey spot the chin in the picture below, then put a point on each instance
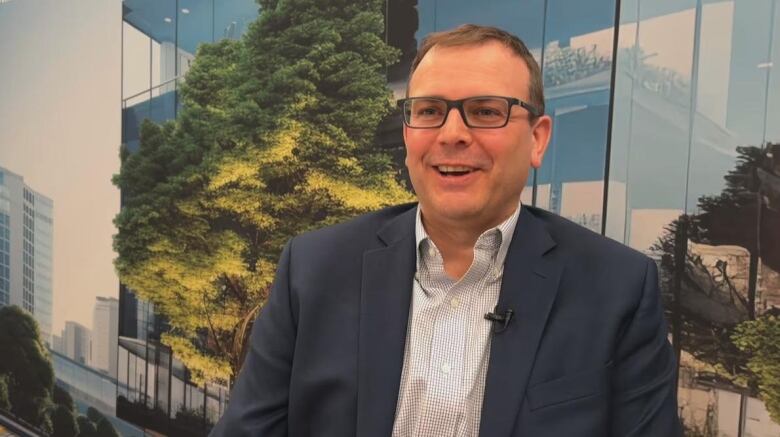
(456, 209)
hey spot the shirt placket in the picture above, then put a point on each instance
(478, 329)
(449, 365)
(441, 404)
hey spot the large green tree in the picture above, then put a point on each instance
(275, 137)
(26, 367)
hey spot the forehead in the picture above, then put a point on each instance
(462, 71)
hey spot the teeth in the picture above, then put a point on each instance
(452, 169)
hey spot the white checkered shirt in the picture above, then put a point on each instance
(448, 337)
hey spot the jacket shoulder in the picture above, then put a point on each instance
(359, 232)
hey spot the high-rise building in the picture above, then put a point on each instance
(76, 342)
(105, 326)
(26, 250)
(56, 344)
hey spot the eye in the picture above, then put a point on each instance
(427, 108)
(486, 112)
(486, 109)
(428, 111)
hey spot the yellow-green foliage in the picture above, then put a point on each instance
(199, 364)
(281, 145)
(358, 198)
(760, 339)
(275, 137)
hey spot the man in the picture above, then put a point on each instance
(467, 314)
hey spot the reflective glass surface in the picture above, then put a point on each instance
(232, 18)
(85, 383)
(519, 17)
(650, 133)
(159, 42)
(576, 65)
(695, 184)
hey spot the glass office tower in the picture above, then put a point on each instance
(26, 229)
(663, 140)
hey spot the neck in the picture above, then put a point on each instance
(455, 239)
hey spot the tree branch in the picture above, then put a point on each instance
(211, 328)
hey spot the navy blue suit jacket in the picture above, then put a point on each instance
(586, 353)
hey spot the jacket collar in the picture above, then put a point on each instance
(386, 290)
(530, 284)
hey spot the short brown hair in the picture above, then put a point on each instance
(472, 34)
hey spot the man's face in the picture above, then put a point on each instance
(499, 159)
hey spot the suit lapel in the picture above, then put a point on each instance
(384, 311)
(529, 287)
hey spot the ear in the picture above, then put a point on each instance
(541, 138)
(406, 147)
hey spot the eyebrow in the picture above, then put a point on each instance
(433, 96)
(439, 96)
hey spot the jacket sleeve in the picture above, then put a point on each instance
(259, 397)
(644, 387)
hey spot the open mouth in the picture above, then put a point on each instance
(453, 171)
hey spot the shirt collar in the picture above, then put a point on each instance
(505, 230)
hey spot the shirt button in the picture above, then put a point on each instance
(445, 368)
(455, 302)
(431, 252)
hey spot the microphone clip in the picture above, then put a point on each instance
(501, 320)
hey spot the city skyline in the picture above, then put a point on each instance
(94, 347)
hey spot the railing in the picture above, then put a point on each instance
(150, 90)
(16, 424)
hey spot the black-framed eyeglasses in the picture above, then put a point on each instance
(483, 112)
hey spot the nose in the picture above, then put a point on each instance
(454, 131)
